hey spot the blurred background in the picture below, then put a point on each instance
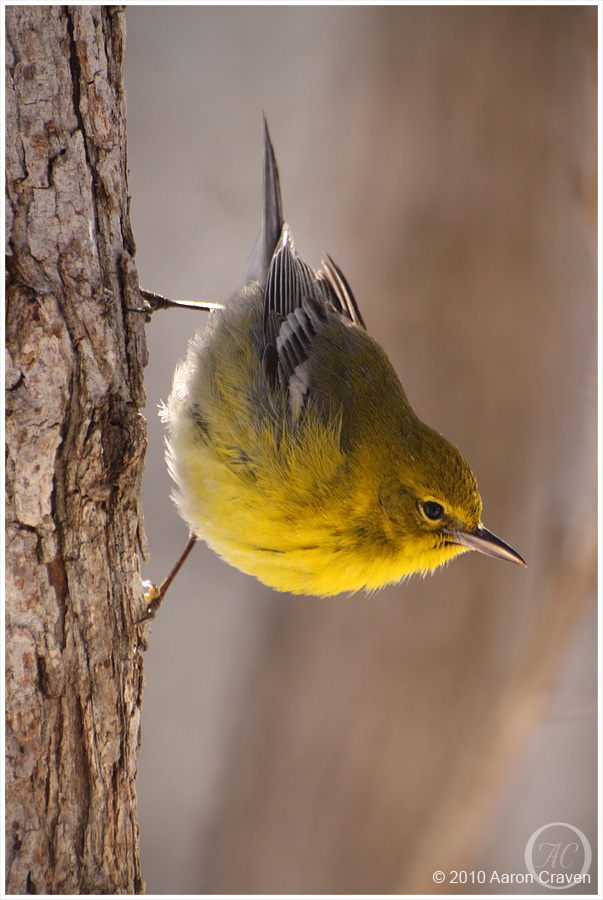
(446, 158)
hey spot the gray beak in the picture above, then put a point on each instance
(483, 540)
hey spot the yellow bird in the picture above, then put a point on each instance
(296, 454)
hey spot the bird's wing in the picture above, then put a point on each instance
(340, 294)
(294, 305)
(296, 301)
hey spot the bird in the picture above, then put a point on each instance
(295, 452)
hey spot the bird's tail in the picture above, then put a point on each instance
(272, 217)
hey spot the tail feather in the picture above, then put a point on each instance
(272, 217)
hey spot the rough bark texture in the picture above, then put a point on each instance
(75, 450)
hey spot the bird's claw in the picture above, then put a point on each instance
(153, 597)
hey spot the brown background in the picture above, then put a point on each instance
(446, 158)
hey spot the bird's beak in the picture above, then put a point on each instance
(483, 540)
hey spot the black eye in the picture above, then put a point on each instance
(433, 510)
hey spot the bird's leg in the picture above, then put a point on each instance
(154, 595)
(151, 302)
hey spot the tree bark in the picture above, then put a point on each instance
(75, 453)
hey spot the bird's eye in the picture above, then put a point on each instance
(433, 510)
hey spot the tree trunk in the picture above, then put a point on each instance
(75, 452)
